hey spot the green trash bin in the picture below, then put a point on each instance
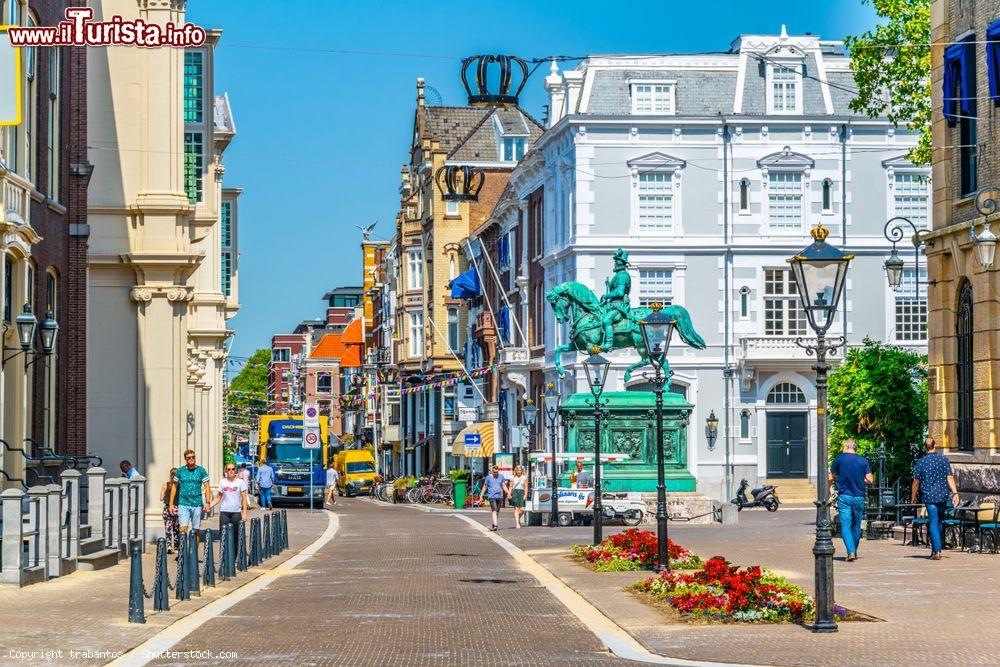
(459, 493)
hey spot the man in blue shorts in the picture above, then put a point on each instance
(190, 494)
(495, 488)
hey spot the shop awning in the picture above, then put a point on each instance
(465, 285)
(610, 457)
(486, 439)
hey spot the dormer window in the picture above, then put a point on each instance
(653, 97)
(784, 87)
(512, 149)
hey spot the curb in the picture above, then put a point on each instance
(169, 636)
(615, 638)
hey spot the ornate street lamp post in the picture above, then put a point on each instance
(596, 367)
(894, 266)
(820, 270)
(711, 429)
(530, 413)
(657, 329)
(552, 415)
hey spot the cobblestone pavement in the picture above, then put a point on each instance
(934, 612)
(397, 586)
(87, 612)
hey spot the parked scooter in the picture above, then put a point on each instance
(765, 496)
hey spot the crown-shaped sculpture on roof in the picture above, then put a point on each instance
(494, 78)
(460, 182)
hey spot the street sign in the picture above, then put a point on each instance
(473, 439)
(310, 439)
(310, 415)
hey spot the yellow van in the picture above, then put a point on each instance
(356, 468)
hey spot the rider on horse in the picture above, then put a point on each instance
(616, 299)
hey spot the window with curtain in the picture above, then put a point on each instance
(993, 59)
(656, 201)
(503, 324)
(959, 108)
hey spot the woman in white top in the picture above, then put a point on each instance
(517, 488)
(233, 496)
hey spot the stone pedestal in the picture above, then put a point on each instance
(630, 428)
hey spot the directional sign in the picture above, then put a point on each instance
(310, 415)
(310, 440)
(473, 439)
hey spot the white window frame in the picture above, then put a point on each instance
(786, 161)
(502, 139)
(786, 297)
(664, 106)
(657, 163)
(892, 203)
(414, 269)
(415, 334)
(906, 291)
(666, 298)
(783, 67)
(451, 209)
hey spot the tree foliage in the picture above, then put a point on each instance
(249, 388)
(892, 69)
(879, 394)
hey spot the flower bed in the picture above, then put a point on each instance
(721, 592)
(633, 549)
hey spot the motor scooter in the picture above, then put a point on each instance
(765, 496)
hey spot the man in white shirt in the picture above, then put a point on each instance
(331, 483)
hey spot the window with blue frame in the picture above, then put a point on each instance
(993, 60)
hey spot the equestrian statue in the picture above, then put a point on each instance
(610, 322)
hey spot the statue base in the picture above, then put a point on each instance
(630, 428)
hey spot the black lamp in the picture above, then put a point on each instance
(49, 329)
(26, 323)
(819, 271)
(596, 367)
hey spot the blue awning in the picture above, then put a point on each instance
(465, 285)
(960, 80)
(993, 59)
(503, 324)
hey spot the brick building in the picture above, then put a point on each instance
(964, 330)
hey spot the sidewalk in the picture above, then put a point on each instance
(87, 612)
(934, 613)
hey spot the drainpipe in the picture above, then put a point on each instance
(726, 371)
(843, 207)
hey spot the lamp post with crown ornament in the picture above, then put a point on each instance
(819, 271)
(596, 367)
(551, 403)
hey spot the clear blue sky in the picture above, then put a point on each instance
(321, 136)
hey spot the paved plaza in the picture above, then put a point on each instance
(399, 585)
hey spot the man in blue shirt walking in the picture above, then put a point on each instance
(495, 488)
(265, 480)
(851, 472)
(932, 477)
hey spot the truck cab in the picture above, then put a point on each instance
(356, 468)
(298, 471)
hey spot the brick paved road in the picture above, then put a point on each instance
(397, 586)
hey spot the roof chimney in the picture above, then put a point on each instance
(420, 91)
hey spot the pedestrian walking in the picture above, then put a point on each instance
(265, 480)
(851, 472)
(170, 526)
(128, 471)
(232, 495)
(933, 478)
(331, 482)
(244, 473)
(517, 490)
(495, 488)
(190, 494)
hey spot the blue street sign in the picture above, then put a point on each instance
(473, 439)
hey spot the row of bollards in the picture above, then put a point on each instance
(237, 553)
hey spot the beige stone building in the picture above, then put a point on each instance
(160, 290)
(964, 322)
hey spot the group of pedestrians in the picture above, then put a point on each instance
(933, 482)
(187, 498)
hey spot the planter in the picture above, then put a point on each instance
(458, 493)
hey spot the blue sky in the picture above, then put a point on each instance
(322, 134)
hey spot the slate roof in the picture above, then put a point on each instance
(468, 134)
(698, 93)
(449, 125)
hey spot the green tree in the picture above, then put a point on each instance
(892, 69)
(879, 394)
(247, 397)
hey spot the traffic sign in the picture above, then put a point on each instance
(310, 439)
(473, 439)
(310, 415)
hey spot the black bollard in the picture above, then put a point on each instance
(284, 527)
(223, 559)
(136, 611)
(209, 571)
(194, 576)
(255, 558)
(267, 537)
(161, 598)
(275, 533)
(181, 589)
(241, 548)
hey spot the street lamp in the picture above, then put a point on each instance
(819, 272)
(27, 325)
(986, 242)
(711, 428)
(530, 412)
(657, 329)
(596, 367)
(551, 399)
(894, 265)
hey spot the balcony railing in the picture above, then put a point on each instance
(772, 348)
(15, 199)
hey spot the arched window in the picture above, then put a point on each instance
(744, 302)
(745, 195)
(50, 293)
(963, 332)
(785, 393)
(745, 425)
(827, 195)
